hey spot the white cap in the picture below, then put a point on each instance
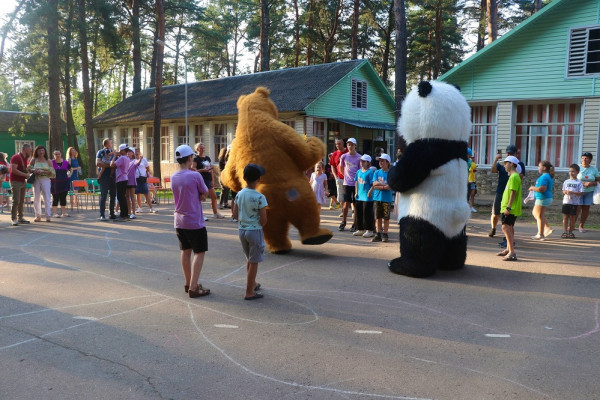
(123, 146)
(384, 156)
(365, 157)
(351, 140)
(519, 170)
(512, 159)
(183, 151)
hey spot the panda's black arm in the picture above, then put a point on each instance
(420, 158)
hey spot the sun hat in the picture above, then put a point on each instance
(253, 171)
(123, 147)
(183, 151)
(351, 140)
(384, 156)
(365, 157)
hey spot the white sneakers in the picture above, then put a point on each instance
(366, 234)
(358, 233)
(139, 210)
(473, 209)
(218, 216)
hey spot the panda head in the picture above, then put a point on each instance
(435, 110)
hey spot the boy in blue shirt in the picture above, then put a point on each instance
(365, 219)
(250, 209)
(383, 197)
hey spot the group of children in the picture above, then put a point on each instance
(373, 197)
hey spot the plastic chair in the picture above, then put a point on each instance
(76, 191)
(5, 195)
(166, 191)
(93, 186)
(29, 197)
(155, 182)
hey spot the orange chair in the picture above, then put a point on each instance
(154, 186)
(166, 191)
(79, 194)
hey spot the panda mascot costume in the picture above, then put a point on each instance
(431, 180)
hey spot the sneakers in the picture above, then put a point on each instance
(332, 207)
(220, 206)
(23, 221)
(132, 216)
(15, 222)
(537, 237)
(384, 237)
(139, 210)
(337, 205)
(548, 232)
(342, 226)
(206, 219)
(341, 215)
(103, 218)
(153, 211)
(218, 216)
(473, 210)
(492, 232)
(113, 216)
(367, 234)
(377, 238)
(352, 228)
(358, 233)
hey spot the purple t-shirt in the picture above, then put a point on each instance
(131, 173)
(187, 186)
(122, 164)
(350, 164)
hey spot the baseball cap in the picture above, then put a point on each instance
(123, 147)
(512, 159)
(469, 151)
(351, 140)
(511, 149)
(365, 157)
(183, 151)
(252, 172)
(384, 156)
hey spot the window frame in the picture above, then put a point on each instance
(220, 138)
(354, 95)
(482, 151)
(579, 48)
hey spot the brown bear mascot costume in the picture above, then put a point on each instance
(262, 139)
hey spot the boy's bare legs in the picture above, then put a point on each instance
(191, 268)
(252, 269)
(566, 219)
(573, 219)
(509, 232)
(186, 265)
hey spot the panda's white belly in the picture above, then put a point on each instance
(440, 199)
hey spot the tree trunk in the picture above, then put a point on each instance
(329, 43)
(160, 30)
(354, 54)
(296, 34)
(437, 64)
(492, 12)
(155, 47)
(265, 27)
(388, 42)
(87, 98)
(54, 78)
(124, 81)
(538, 6)
(71, 130)
(400, 75)
(309, 28)
(137, 52)
(481, 25)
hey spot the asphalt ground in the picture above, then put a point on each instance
(96, 310)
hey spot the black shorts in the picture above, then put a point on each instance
(59, 198)
(195, 239)
(497, 202)
(349, 192)
(509, 219)
(569, 209)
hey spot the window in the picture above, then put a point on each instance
(483, 133)
(165, 144)
(181, 139)
(19, 146)
(319, 129)
(135, 138)
(359, 94)
(123, 136)
(584, 52)
(548, 132)
(149, 140)
(220, 138)
(198, 129)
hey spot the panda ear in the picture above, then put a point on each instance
(424, 88)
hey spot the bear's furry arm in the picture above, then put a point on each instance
(304, 153)
(420, 158)
(229, 176)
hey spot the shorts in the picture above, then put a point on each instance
(382, 210)
(587, 198)
(253, 244)
(209, 184)
(332, 187)
(569, 209)
(141, 188)
(349, 192)
(543, 202)
(339, 185)
(131, 186)
(59, 197)
(509, 219)
(497, 203)
(195, 239)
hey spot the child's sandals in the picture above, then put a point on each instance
(503, 253)
(510, 257)
(565, 235)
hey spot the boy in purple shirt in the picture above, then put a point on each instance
(122, 167)
(189, 191)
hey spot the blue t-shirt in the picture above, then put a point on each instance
(249, 202)
(364, 181)
(544, 180)
(382, 195)
(503, 176)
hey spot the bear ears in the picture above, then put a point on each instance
(425, 88)
(261, 90)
